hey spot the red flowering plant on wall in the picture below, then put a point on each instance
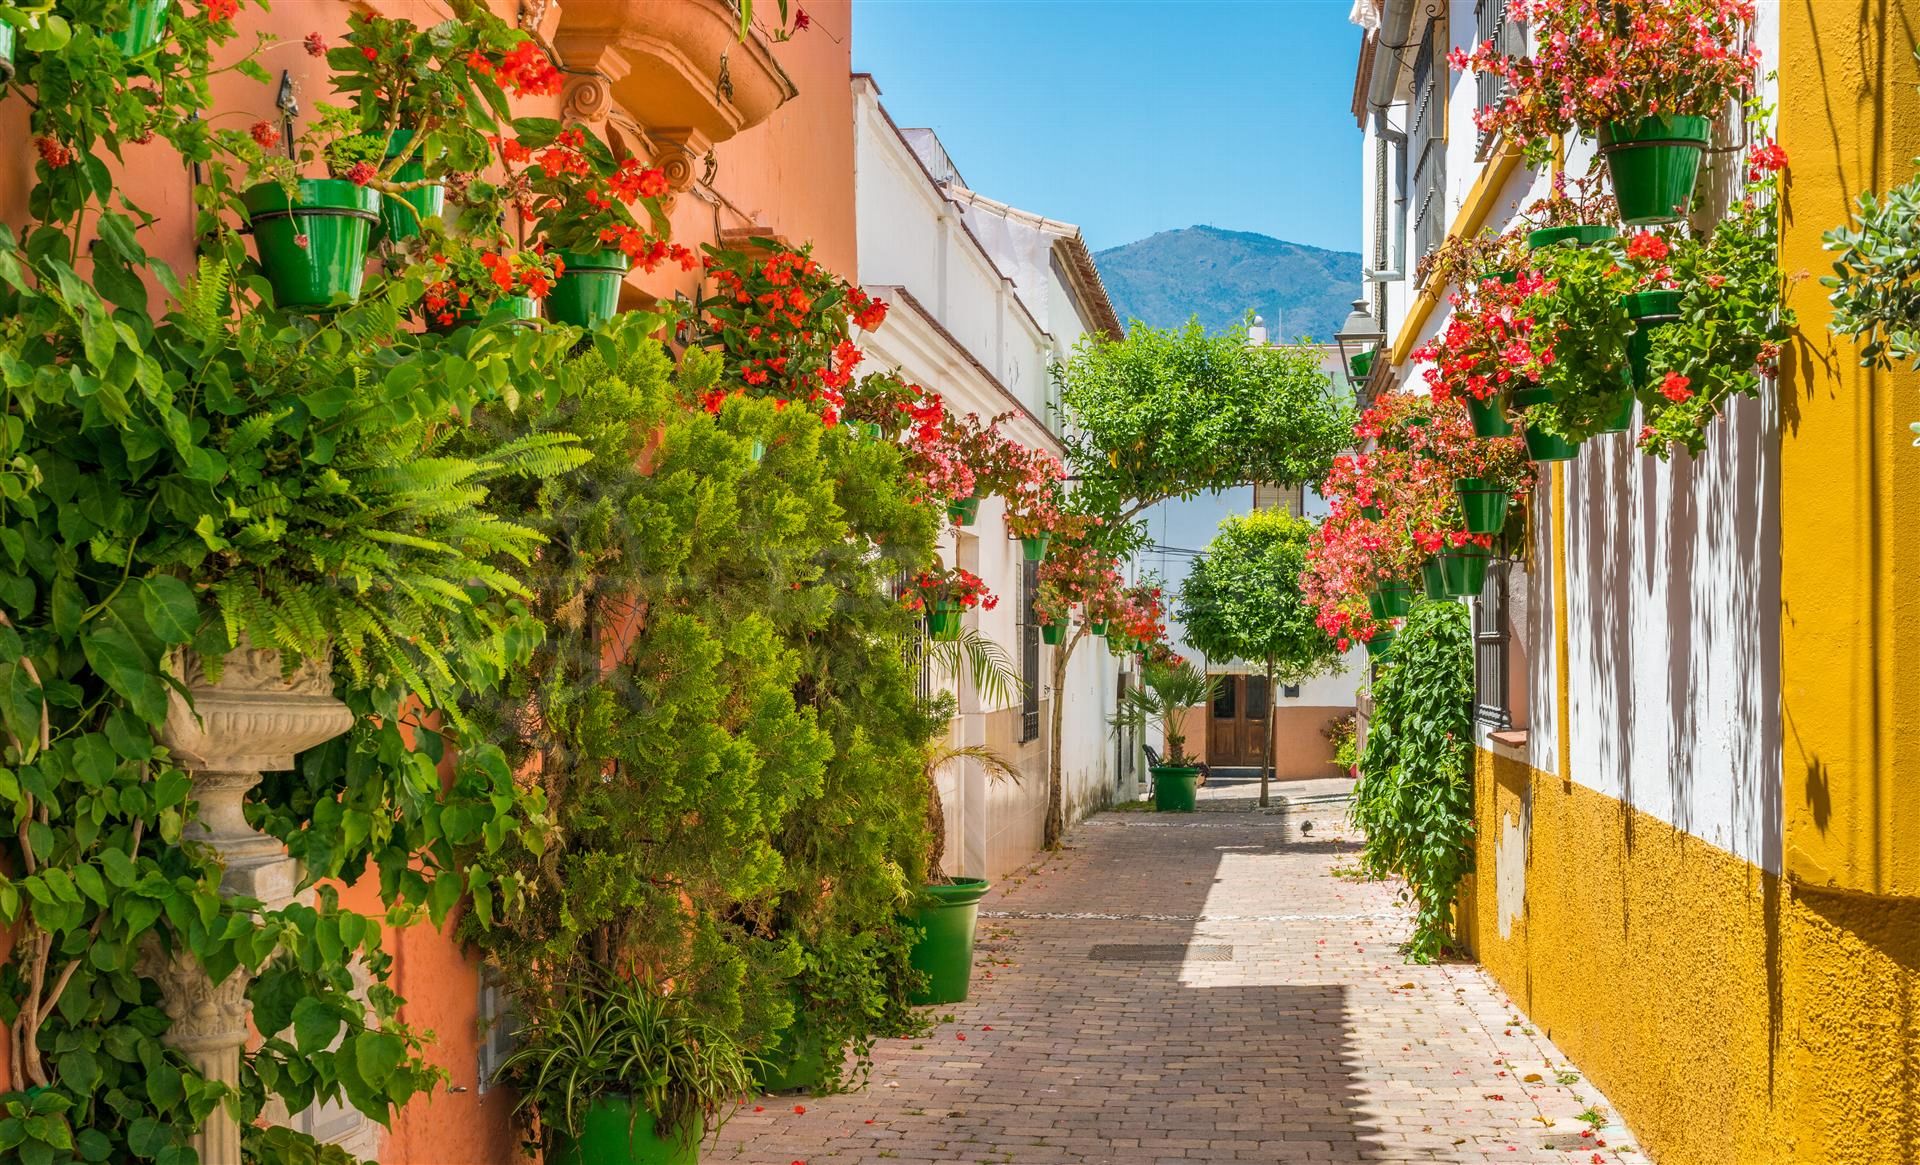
(903, 411)
(465, 277)
(1599, 62)
(950, 587)
(1138, 616)
(1489, 344)
(582, 199)
(782, 322)
(1077, 569)
(1034, 503)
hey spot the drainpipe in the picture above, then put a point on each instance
(1396, 23)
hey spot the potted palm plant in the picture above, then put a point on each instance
(1167, 691)
(619, 1073)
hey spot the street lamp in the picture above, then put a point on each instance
(1359, 338)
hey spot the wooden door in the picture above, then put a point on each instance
(1236, 727)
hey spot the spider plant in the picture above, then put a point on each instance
(623, 1039)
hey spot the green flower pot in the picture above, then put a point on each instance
(1391, 600)
(1053, 634)
(146, 24)
(1361, 366)
(1654, 163)
(1578, 236)
(756, 451)
(397, 223)
(1507, 276)
(1174, 788)
(1484, 503)
(1380, 644)
(1489, 415)
(943, 622)
(870, 429)
(1096, 628)
(1035, 549)
(313, 247)
(796, 1059)
(1621, 419)
(1545, 446)
(1434, 581)
(587, 294)
(1372, 513)
(614, 1132)
(6, 52)
(964, 512)
(1527, 395)
(945, 952)
(1463, 570)
(1650, 311)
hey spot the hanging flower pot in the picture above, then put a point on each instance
(1650, 311)
(964, 511)
(1434, 581)
(146, 24)
(398, 223)
(1372, 513)
(1380, 644)
(1654, 162)
(1489, 415)
(1053, 634)
(1099, 628)
(313, 247)
(943, 622)
(6, 52)
(1034, 549)
(944, 953)
(869, 430)
(587, 294)
(1525, 396)
(1484, 503)
(1463, 570)
(511, 309)
(1545, 446)
(1390, 600)
(1577, 236)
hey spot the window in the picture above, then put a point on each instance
(1490, 650)
(1223, 699)
(1507, 35)
(499, 1025)
(1427, 141)
(1029, 653)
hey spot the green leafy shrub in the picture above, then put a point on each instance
(1414, 799)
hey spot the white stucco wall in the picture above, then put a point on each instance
(1672, 586)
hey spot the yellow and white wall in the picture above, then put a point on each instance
(1699, 856)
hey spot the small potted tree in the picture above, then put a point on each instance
(1168, 689)
(619, 1073)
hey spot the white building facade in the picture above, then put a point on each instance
(985, 299)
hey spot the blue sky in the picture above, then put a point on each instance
(1131, 117)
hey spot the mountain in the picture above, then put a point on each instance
(1217, 275)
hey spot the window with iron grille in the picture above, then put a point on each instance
(1490, 650)
(1427, 140)
(1508, 35)
(1029, 653)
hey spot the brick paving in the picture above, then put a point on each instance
(1285, 1027)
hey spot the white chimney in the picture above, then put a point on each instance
(1257, 331)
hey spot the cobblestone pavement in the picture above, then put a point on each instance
(1250, 1005)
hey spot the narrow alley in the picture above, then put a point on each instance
(1220, 987)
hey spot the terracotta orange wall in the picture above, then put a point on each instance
(792, 175)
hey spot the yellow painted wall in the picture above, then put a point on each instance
(1849, 477)
(1732, 1018)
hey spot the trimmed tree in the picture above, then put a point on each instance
(1171, 413)
(1243, 601)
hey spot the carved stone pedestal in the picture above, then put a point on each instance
(253, 721)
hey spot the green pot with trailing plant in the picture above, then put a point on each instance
(312, 239)
(1575, 235)
(1034, 548)
(1380, 643)
(1650, 311)
(587, 294)
(1489, 414)
(1545, 445)
(1433, 580)
(619, 1073)
(401, 214)
(797, 1058)
(1654, 162)
(146, 25)
(1463, 569)
(946, 594)
(485, 281)
(1166, 692)
(1053, 634)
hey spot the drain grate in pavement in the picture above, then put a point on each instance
(1161, 953)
